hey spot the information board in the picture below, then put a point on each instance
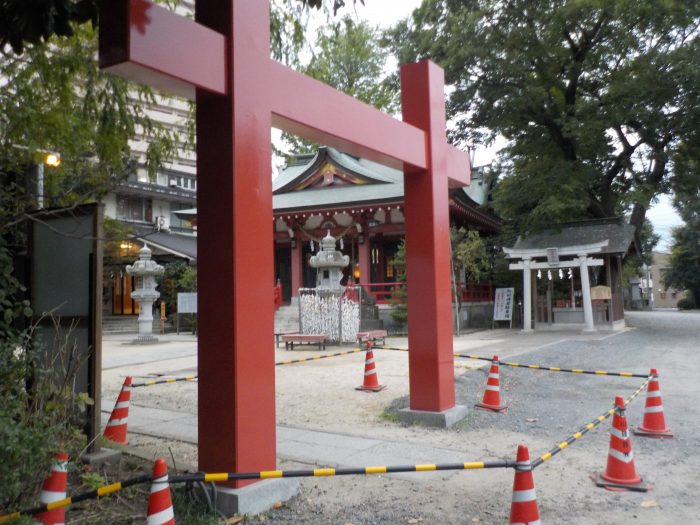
(187, 303)
(503, 304)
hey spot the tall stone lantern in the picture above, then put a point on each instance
(145, 271)
(329, 264)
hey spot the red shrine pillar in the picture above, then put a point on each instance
(363, 259)
(431, 368)
(235, 360)
(296, 268)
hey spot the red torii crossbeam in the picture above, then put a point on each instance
(222, 60)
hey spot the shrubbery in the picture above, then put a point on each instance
(38, 409)
(686, 303)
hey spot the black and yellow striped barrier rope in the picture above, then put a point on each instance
(569, 370)
(278, 363)
(163, 381)
(584, 429)
(265, 474)
(533, 367)
(92, 494)
(317, 357)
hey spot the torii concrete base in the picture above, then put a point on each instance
(444, 419)
(256, 498)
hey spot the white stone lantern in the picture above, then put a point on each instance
(329, 264)
(145, 271)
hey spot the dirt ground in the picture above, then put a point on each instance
(544, 409)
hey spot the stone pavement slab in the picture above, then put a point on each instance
(314, 447)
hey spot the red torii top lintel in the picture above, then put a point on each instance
(152, 45)
(223, 62)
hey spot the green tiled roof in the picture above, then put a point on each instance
(619, 234)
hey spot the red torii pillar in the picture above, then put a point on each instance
(223, 60)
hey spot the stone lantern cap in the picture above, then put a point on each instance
(329, 257)
(145, 265)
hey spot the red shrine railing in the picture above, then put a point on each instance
(381, 292)
(473, 293)
(469, 293)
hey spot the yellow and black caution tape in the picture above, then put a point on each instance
(341, 471)
(555, 368)
(265, 474)
(317, 357)
(163, 381)
(533, 367)
(287, 362)
(584, 429)
(92, 494)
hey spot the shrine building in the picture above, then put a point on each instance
(361, 203)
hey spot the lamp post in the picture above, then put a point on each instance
(50, 159)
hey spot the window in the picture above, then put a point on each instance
(134, 209)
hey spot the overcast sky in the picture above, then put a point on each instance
(385, 13)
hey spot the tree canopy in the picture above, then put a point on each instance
(54, 98)
(684, 269)
(347, 56)
(37, 21)
(594, 98)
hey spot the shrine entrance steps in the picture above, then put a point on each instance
(287, 319)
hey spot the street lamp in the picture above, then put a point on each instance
(50, 159)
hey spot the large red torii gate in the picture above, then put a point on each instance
(222, 60)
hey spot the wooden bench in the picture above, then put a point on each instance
(372, 335)
(304, 339)
(280, 334)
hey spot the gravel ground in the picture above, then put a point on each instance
(544, 408)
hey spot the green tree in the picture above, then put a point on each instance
(54, 98)
(347, 56)
(399, 297)
(684, 269)
(593, 97)
(23, 22)
(469, 259)
(177, 277)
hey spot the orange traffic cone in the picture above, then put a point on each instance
(116, 426)
(492, 391)
(654, 423)
(371, 382)
(160, 506)
(54, 489)
(620, 473)
(523, 509)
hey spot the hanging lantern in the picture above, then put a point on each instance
(539, 274)
(549, 274)
(570, 273)
(561, 274)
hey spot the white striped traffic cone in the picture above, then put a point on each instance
(524, 509)
(54, 489)
(492, 391)
(371, 382)
(118, 419)
(160, 506)
(620, 473)
(654, 423)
